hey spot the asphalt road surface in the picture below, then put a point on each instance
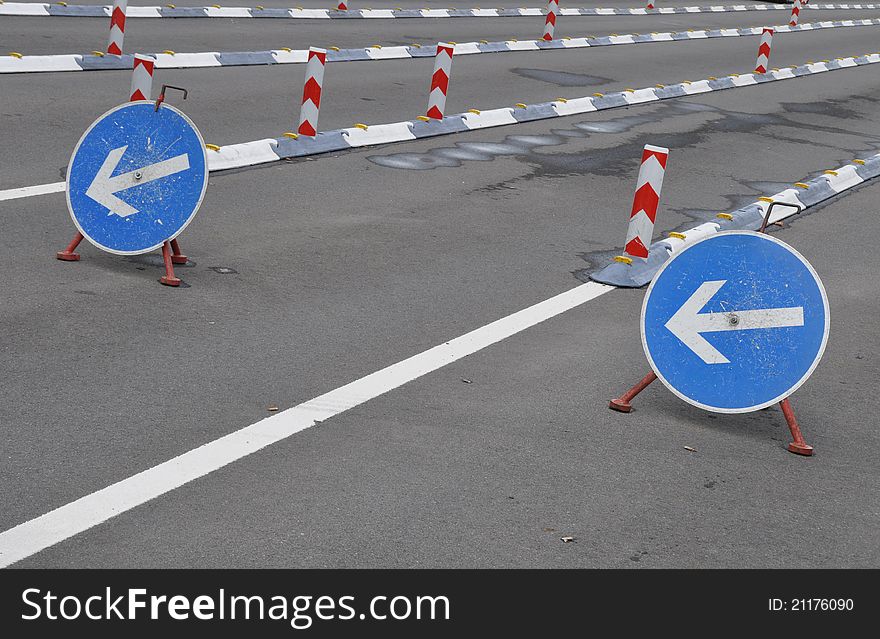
(306, 275)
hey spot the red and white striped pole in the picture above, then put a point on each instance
(311, 102)
(550, 23)
(117, 27)
(795, 13)
(764, 51)
(440, 80)
(142, 78)
(647, 198)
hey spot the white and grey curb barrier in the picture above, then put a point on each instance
(271, 150)
(801, 196)
(17, 63)
(233, 156)
(171, 11)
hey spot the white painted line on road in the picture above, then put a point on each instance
(78, 516)
(30, 191)
(78, 62)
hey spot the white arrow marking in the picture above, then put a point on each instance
(104, 188)
(688, 323)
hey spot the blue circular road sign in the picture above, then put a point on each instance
(735, 322)
(136, 178)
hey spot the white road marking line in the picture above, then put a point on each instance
(78, 516)
(30, 191)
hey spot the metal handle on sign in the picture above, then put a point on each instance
(161, 97)
(766, 221)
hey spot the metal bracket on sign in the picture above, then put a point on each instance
(161, 97)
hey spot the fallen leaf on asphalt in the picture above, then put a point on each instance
(693, 450)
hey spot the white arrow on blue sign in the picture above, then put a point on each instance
(735, 322)
(136, 178)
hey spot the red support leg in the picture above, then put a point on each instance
(69, 254)
(169, 278)
(622, 403)
(176, 256)
(798, 446)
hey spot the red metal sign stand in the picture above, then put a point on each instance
(170, 255)
(798, 446)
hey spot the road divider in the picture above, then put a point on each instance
(18, 63)
(299, 13)
(233, 156)
(791, 201)
(270, 150)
